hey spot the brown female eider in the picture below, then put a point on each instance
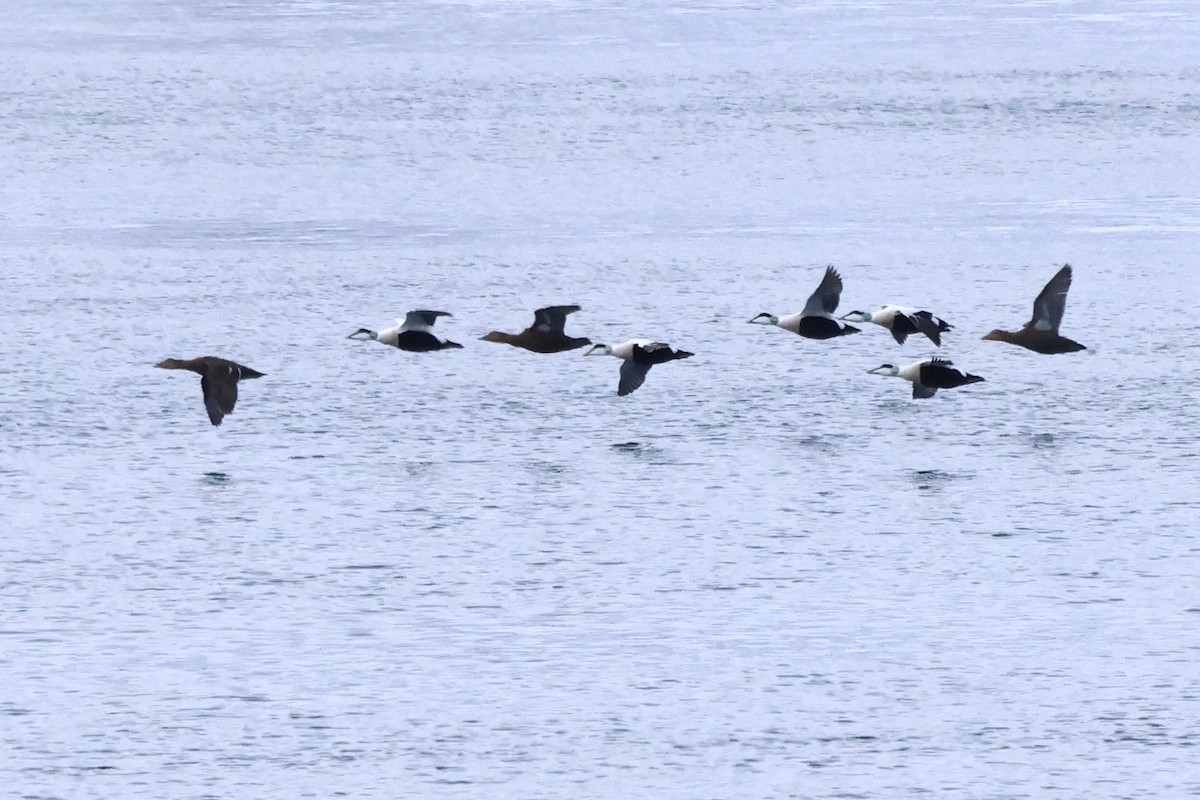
(1040, 334)
(218, 380)
(637, 356)
(413, 334)
(816, 320)
(545, 335)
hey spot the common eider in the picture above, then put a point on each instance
(927, 376)
(816, 321)
(902, 321)
(218, 380)
(545, 335)
(1040, 334)
(637, 357)
(414, 334)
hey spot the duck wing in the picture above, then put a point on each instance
(219, 385)
(551, 319)
(929, 325)
(633, 375)
(903, 325)
(421, 320)
(1049, 306)
(825, 299)
(921, 391)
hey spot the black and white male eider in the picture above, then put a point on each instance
(1040, 334)
(902, 321)
(637, 356)
(218, 380)
(816, 321)
(413, 334)
(927, 376)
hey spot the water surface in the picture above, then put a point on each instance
(480, 573)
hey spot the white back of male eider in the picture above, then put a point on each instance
(414, 333)
(816, 321)
(637, 357)
(903, 321)
(927, 376)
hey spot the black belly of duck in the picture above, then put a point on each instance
(823, 328)
(422, 342)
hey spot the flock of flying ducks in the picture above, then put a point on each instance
(219, 377)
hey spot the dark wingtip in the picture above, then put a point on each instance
(448, 345)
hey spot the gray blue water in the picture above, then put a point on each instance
(480, 573)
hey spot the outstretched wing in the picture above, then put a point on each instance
(633, 375)
(1049, 306)
(825, 299)
(921, 391)
(902, 326)
(421, 320)
(551, 319)
(927, 324)
(219, 385)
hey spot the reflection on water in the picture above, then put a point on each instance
(935, 479)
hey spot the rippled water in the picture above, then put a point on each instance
(480, 573)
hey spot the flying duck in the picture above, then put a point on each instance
(816, 320)
(902, 321)
(545, 335)
(638, 356)
(218, 380)
(1040, 334)
(413, 334)
(927, 376)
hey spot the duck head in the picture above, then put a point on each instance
(764, 319)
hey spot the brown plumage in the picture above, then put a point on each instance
(218, 380)
(1040, 334)
(545, 335)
